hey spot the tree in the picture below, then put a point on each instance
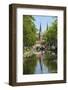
(50, 36)
(29, 30)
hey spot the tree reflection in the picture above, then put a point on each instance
(50, 60)
(29, 64)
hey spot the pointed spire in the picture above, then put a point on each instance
(40, 31)
(47, 27)
(40, 27)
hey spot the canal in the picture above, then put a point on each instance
(42, 63)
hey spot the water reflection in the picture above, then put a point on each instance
(52, 66)
(40, 64)
(40, 67)
(50, 60)
(29, 64)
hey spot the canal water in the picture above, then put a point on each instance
(40, 64)
(40, 67)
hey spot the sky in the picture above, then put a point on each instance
(44, 20)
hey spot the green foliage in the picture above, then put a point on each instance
(29, 30)
(50, 35)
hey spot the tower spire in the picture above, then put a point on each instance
(47, 27)
(40, 31)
